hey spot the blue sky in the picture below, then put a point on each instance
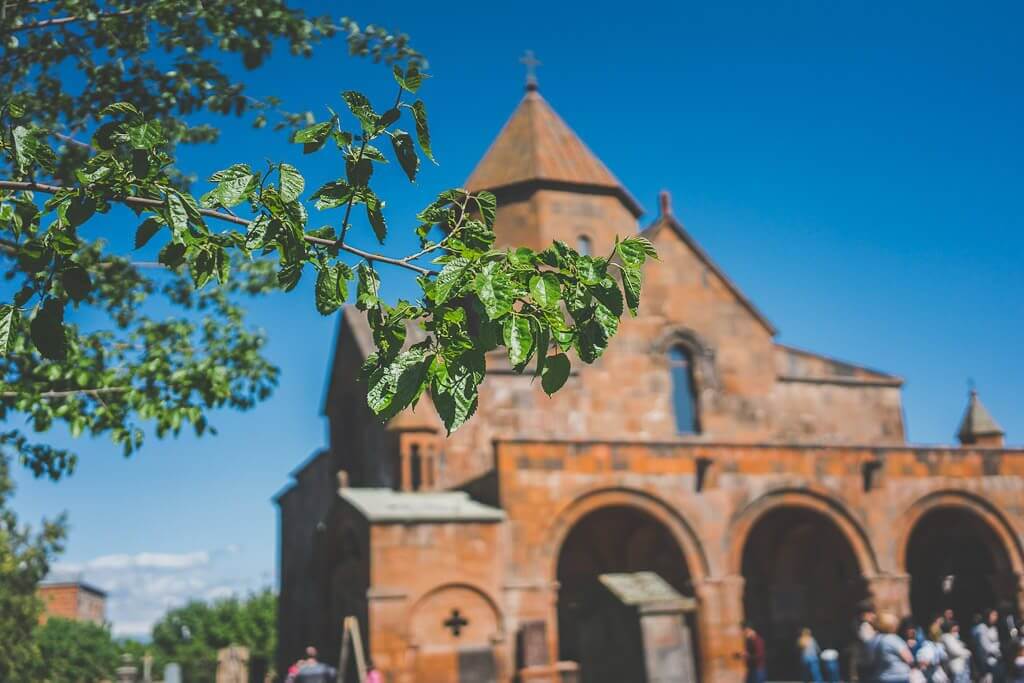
(855, 167)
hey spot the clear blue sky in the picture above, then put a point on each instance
(857, 168)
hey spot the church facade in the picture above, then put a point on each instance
(771, 484)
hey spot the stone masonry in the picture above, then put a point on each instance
(793, 500)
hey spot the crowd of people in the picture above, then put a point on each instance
(890, 650)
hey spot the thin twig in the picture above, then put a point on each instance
(70, 140)
(145, 202)
(446, 238)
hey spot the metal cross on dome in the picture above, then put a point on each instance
(531, 62)
(456, 622)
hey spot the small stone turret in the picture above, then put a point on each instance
(978, 428)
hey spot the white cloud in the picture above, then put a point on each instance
(141, 587)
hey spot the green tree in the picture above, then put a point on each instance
(76, 651)
(191, 635)
(82, 343)
(24, 560)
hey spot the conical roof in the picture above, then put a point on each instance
(537, 147)
(977, 422)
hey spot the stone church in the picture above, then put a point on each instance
(765, 483)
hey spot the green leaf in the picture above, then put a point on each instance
(368, 287)
(518, 340)
(76, 282)
(313, 137)
(631, 282)
(376, 217)
(47, 330)
(172, 255)
(80, 209)
(634, 251)
(234, 185)
(256, 236)
(406, 154)
(9, 318)
(389, 117)
(591, 340)
(545, 290)
(358, 172)
(488, 205)
(395, 386)
(292, 183)
(361, 109)
(543, 334)
(450, 279)
(411, 80)
(556, 372)
(371, 152)
(331, 290)
(149, 227)
(34, 256)
(125, 108)
(495, 290)
(419, 113)
(145, 135)
(455, 387)
(178, 215)
(607, 292)
(288, 276)
(332, 195)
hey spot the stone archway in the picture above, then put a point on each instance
(957, 560)
(801, 569)
(453, 631)
(614, 538)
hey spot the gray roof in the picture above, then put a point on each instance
(385, 506)
(977, 421)
(645, 589)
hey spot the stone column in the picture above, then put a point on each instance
(890, 593)
(720, 629)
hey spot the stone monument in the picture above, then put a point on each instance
(653, 633)
(233, 664)
(172, 673)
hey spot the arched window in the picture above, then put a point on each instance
(584, 245)
(684, 398)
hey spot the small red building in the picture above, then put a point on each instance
(74, 600)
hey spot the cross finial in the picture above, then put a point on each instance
(665, 203)
(970, 387)
(531, 62)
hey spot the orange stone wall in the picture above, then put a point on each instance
(546, 487)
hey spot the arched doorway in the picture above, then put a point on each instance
(609, 539)
(800, 571)
(957, 561)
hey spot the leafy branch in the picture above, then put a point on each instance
(542, 309)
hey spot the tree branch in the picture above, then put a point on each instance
(97, 392)
(59, 21)
(146, 203)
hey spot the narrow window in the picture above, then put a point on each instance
(584, 246)
(684, 399)
(416, 468)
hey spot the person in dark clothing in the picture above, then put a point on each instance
(756, 655)
(312, 670)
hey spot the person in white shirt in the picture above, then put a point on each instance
(959, 653)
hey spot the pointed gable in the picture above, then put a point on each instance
(667, 221)
(536, 147)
